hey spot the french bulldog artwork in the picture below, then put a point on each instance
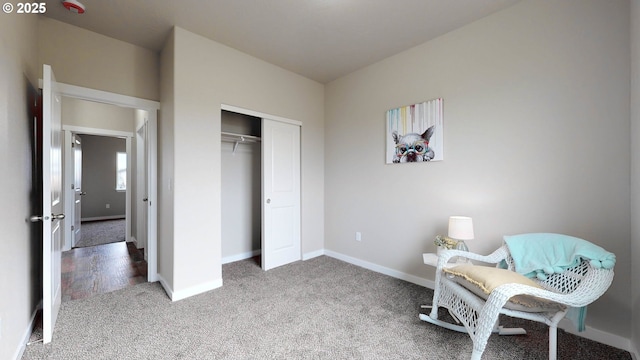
(415, 133)
(413, 147)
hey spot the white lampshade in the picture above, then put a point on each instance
(461, 228)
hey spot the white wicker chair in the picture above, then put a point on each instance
(575, 287)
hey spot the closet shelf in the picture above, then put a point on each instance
(239, 139)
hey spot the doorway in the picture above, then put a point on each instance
(145, 117)
(101, 172)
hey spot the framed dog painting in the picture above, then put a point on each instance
(414, 133)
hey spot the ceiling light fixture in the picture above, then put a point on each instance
(73, 6)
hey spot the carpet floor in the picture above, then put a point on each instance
(101, 232)
(321, 308)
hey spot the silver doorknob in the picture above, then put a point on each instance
(57, 217)
(35, 218)
(268, 201)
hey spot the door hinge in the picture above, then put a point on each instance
(73, 186)
(73, 227)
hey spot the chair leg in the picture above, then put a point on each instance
(476, 355)
(553, 342)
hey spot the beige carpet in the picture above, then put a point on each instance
(321, 308)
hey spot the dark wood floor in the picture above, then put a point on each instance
(99, 269)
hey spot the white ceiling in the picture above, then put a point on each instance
(320, 39)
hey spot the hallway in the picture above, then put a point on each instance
(100, 269)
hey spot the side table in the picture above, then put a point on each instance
(431, 259)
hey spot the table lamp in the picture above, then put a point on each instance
(461, 229)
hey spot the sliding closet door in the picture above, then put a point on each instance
(280, 193)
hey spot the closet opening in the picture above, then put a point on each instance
(241, 154)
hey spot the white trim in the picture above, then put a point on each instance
(152, 107)
(242, 256)
(69, 197)
(81, 130)
(68, 179)
(313, 254)
(151, 252)
(600, 336)
(195, 290)
(127, 191)
(381, 269)
(100, 218)
(22, 346)
(244, 111)
(105, 97)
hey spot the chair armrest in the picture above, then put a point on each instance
(493, 258)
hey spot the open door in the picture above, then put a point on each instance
(281, 193)
(151, 163)
(52, 215)
(142, 197)
(76, 144)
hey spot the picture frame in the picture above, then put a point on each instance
(415, 133)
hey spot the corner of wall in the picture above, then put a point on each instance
(165, 165)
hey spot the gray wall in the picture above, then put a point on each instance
(99, 177)
(20, 249)
(95, 115)
(536, 136)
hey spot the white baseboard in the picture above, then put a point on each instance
(381, 269)
(242, 256)
(27, 334)
(600, 336)
(194, 290)
(100, 218)
(313, 254)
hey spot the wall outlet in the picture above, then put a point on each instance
(108, 206)
(358, 236)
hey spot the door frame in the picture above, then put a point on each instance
(152, 108)
(69, 171)
(281, 119)
(69, 131)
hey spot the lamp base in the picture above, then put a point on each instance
(462, 246)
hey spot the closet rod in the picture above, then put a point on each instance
(238, 138)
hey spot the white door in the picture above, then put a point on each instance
(152, 195)
(280, 193)
(76, 150)
(52, 202)
(141, 188)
